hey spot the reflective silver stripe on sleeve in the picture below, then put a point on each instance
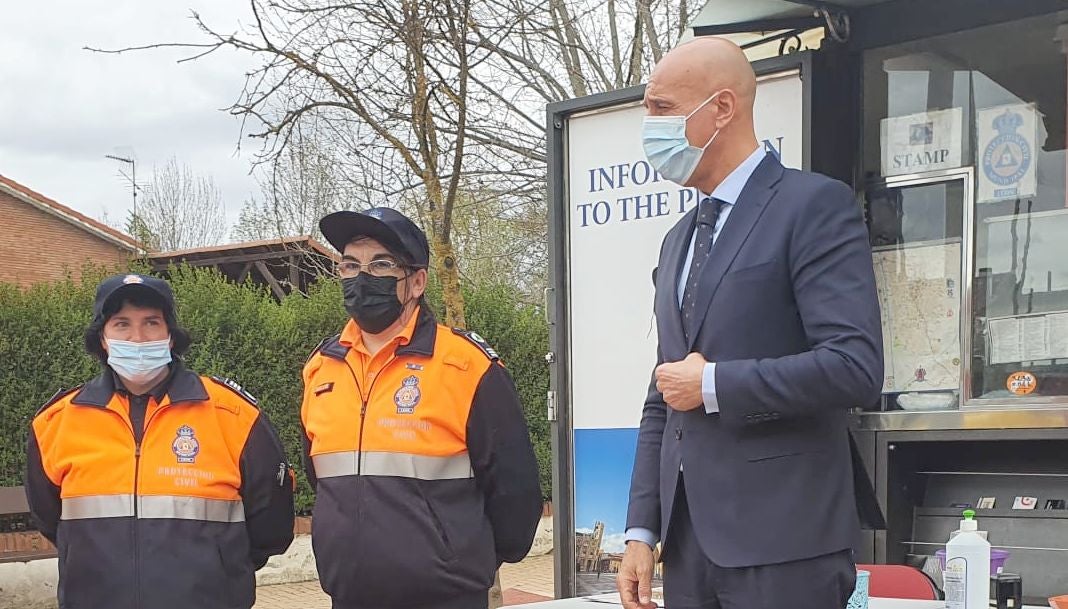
(190, 508)
(403, 465)
(155, 506)
(98, 506)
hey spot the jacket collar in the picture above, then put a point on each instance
(422, 342)
(181, 385)
(426, 332)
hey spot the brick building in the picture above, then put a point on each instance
(41, 240)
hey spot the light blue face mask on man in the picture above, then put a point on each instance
(666, 146)
(138, 363)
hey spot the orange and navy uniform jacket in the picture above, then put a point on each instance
(422, 463)
(181, 518)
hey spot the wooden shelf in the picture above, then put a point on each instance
(933, 544)
(995, 513)
(1033, 474)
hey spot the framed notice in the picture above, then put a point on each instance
(1006, 147)
(927, 141)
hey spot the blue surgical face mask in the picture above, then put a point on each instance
(138, 363)
(666, 146)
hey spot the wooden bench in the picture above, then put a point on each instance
(20, 546)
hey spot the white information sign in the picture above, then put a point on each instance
(619, 211)
(922, 142)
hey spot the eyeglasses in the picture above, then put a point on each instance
(377, 268)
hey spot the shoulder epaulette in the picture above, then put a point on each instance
(479, 342)
(331, 347)
(233, 386)
(59, 395)
(320, 346)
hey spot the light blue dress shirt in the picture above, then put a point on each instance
(728, 191)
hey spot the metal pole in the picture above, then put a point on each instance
(133, 173)
(133, 177)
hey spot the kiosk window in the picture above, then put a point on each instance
(992, 100)
(915, 231)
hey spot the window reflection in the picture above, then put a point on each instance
(1008, 83)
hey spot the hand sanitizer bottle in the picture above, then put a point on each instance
(967, 572)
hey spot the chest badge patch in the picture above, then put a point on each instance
(407, 397)
(185, 446)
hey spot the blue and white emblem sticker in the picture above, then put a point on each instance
(1008, 156)
(1006, 140)
(185, 446)
(407, 397)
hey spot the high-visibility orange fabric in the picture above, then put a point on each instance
(369, 364)
(88, 450)
(407, 403)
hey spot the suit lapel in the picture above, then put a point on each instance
(669, 317)
(747, 210)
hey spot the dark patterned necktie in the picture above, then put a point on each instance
(707, 214)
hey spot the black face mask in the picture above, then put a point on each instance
(372, 301)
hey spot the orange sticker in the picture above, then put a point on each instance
(1021, 383)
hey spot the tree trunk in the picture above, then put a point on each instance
(443, 258)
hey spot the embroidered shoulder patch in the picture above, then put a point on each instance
(233, 386)
(479, 342)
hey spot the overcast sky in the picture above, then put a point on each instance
(63, 108)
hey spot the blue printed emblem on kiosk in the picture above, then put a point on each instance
(185, 446)
(407, 397)
(1007, 157)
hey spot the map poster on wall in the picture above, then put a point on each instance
(1007, 161)
(919, 294)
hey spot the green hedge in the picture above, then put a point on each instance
(241, 332)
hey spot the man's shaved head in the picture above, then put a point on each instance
(703, 66)
(686, 78)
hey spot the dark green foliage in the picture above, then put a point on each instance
(240, 332)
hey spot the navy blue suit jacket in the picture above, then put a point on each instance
(787, 308)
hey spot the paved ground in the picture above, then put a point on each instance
(526, 582)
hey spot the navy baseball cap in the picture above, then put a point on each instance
(385, 225)
(118, 285)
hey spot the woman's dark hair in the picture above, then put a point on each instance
(144, 300)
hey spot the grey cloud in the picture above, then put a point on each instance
(63, 108)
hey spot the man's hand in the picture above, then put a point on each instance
(635, 578)
(680, 382)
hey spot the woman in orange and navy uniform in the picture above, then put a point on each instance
(415, 440)
(159, 487)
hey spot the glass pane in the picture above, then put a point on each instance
(1020, 287)
(1020, 300)
(992, 99)
(916, 251)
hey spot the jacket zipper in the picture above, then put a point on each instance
(364, 399)
(133, 521)
(136, 527)
(136, 499)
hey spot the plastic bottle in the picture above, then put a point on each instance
(967, 572)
